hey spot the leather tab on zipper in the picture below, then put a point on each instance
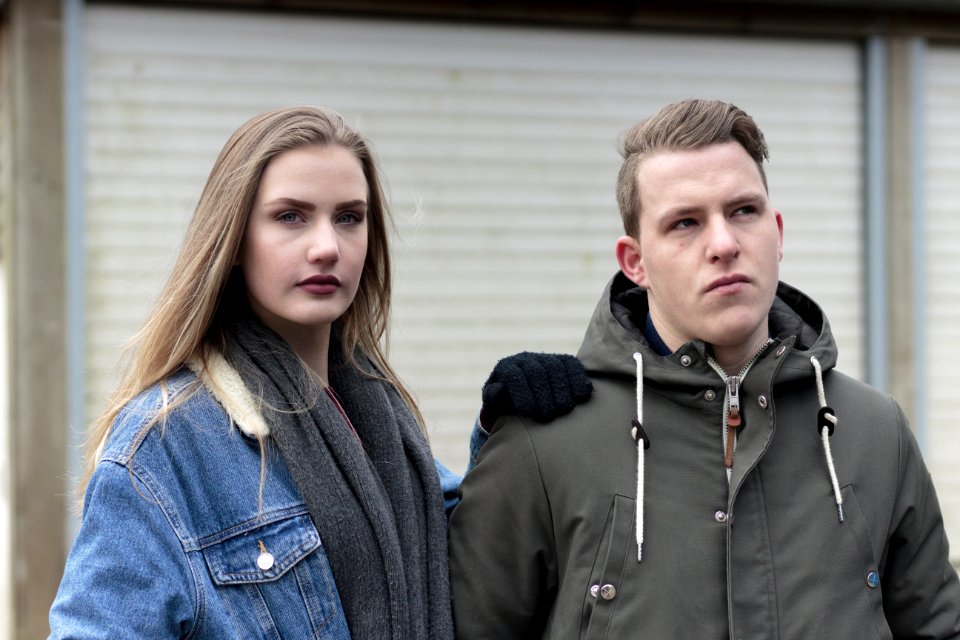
(728, 454)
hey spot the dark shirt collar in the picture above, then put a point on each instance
(653, 338)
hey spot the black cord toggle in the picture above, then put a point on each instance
(640, 433)
(823, 422)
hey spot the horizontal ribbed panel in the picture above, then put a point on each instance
(499, 145)
(942, 243)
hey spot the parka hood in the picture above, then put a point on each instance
(615, 333)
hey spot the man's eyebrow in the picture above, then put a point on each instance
(680, 211)
(746, 197)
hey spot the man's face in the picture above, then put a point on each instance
(709, 247)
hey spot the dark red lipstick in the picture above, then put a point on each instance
(320, 285)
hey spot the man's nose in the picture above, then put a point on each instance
(722, 242)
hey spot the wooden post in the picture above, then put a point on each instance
(900, 269)
(32, 222)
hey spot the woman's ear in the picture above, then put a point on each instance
(630, 260)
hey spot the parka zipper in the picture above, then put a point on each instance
(732, 418)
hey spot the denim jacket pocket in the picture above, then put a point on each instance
(275, 580)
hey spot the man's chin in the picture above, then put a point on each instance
(733, 331)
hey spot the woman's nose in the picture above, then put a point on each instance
(324, 244)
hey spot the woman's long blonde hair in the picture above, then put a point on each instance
(184, 322)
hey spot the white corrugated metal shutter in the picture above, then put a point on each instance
(499, 146)
(942, 241)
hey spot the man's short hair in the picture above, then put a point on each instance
(682, 126)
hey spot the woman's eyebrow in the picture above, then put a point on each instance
(293, 202)
(351, 204)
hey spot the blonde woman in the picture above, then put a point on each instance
(261, 472)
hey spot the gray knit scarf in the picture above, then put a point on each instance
(376, 500)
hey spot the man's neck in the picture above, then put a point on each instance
(734, 359)
(731, 359)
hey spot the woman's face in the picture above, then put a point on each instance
(305, 242)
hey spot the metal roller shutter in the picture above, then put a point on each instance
(942, 243)
(499, 145)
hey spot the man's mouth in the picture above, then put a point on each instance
(728, 284)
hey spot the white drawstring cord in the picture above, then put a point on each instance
(642, 443)
(826, 422)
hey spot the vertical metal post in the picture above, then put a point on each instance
(918, 177)
(75, 199)
(875, 249)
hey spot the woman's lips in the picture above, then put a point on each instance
(320, 285)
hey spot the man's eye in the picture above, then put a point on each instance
(686, 223)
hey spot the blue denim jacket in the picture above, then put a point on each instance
(173, 537)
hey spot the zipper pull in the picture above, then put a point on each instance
(733, 418)
(733, 391)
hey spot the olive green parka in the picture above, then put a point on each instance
(545, 540)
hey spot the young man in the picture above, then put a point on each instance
(724, 481)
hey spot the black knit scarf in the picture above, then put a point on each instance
(377, 505)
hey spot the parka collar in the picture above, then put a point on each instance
(615, 333)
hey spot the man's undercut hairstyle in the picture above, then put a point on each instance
(682, 126)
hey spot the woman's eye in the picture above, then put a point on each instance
(288, 216)
(349, 217)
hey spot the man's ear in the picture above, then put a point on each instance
(779, 219)
(631, 260)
